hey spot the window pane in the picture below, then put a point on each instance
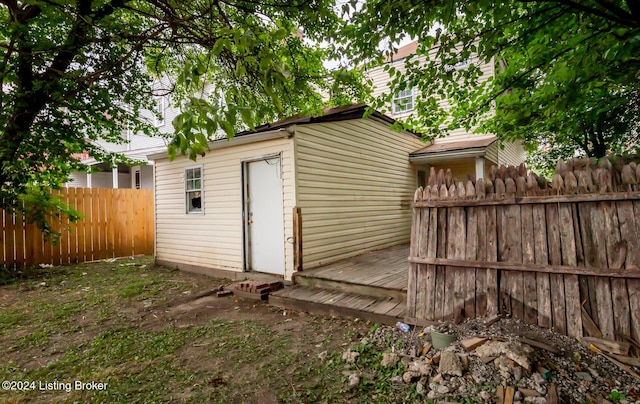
(194, 201)
(403, 101)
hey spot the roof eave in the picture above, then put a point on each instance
(238, 140)
(437, 157)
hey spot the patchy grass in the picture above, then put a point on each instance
(144, 332)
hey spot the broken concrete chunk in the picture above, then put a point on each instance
(535, 400)
(528, 392)
(354, 381)
(450, 364)
(408, 376)
(517, 352)
(583, 376)
(350, 356)
(420, 366)
(396, 379)
(389, 360)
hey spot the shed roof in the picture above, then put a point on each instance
(278, 128)
(343, 113)
(454, 146)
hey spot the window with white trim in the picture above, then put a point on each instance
(193, 189)
(404, 101)
(463, 64)
(137, 179)
(159, 113)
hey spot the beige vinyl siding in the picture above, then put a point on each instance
(460, 168)
(354, 186)
(214, 239)
(513, 153)
(380, 80)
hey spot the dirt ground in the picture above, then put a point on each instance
(83, 322)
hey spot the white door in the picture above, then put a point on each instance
(265, 221)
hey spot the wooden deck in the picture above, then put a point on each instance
(372, 286)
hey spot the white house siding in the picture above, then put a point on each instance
(512, 153)
(77, 179)
(146, 176)
(354, 187)
(214, 239)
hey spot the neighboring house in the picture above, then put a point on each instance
(137, 147)
(463, 152)
(297, 193)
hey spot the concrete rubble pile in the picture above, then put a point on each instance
(506, 361)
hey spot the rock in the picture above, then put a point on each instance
(517, 373)
(535, 400)
(432, 394)
(594, 373)
(421, 367)
(350, 356)
(364, 341)
(354, 381)
(583, 376)
(485, 395)
(442, 389)
(419, 388)
(322, 355)
(397, 379)
(502, 363)
(538, 379)
(450, 364)
(409, 375)
(517, 396)
(437, 378)
(528, 392)
(389, 360)
(517, 352)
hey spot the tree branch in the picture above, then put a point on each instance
(628, 21)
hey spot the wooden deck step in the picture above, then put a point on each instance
(334, 302)
(397, 291)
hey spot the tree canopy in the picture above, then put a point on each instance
(566, 72)
(76, 71)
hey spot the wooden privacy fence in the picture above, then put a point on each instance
(564, 255)
(114, 223)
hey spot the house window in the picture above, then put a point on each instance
(463, 64)
(159, 115)
(137, 178)
(403, 101)
(193, 189)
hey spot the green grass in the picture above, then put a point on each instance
(90, 322)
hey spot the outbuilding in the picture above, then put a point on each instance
(287, 196)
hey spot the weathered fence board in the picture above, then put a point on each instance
(551, 254)
(114, 222)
